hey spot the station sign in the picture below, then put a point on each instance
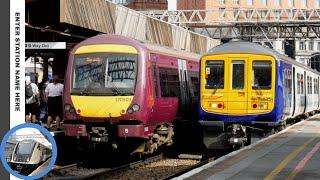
(46, 45)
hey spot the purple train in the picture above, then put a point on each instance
(117, 88)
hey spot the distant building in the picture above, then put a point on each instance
(142, 5)
(304, 50)
(191, 4)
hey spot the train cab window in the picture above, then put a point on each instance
(262, 75)
(169, 82)
(214, 75)
(237, 74)
(25, 148)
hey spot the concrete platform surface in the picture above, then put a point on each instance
(291, 154)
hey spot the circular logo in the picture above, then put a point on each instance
(30, 153)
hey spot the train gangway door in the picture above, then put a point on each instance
(183, 78)
(237, 88)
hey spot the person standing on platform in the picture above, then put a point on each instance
(54, 93)
(32, 100)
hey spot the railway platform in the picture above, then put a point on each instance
(290, 154)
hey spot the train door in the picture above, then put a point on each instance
(238, 89)
(304, 86)
(166, 90)
(184, 90)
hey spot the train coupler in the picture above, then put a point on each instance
(99, 134)
(237, 135)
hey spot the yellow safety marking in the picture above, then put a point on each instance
(100, 48)
(295, 171)
(288, 159)
(101, 106)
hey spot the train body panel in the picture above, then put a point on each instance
(278, 97)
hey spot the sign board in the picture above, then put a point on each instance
(46, 45)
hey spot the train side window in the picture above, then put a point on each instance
(155, 78)
(237, 74)
(214, 74)
(169, 82)
(262, 75)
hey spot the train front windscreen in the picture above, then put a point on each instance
(24, 151)
(104, 74)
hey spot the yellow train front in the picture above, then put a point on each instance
(237, 90)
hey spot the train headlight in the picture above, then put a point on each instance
(214, 105)
(14, 158)
(130, 111)
(28, 159)
(217, 105)
(67, 107)
(72, 110)
(135, 107)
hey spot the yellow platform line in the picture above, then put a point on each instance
(288, 159)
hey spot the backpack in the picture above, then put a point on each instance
(29, 91)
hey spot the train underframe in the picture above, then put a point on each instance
(239, 134)
(143, 139)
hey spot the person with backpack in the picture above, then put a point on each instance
(32, 100)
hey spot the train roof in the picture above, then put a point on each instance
(171, 51)
(242, 47)
(119, 39)
(48, 145)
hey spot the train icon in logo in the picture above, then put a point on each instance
(28, 151)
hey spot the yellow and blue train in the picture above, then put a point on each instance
(244, 85)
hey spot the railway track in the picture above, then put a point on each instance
(74, 171)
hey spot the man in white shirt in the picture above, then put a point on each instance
(54, 93)
(32, 100)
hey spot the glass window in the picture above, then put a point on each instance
(222, 12)
(302, 45)
(319, 44)
(264, 2)
(310, 85)
(317, 3)
(302, 84)
(262, 75)
(214, 75)
(99, 73)
(304, 3)
(155, 78)
(169, 82)
(298, 84)
(237, 74)
(250, 2)
(194, 78)
(277, 2)
(291, 3)
(311, 45)
(25, 148)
